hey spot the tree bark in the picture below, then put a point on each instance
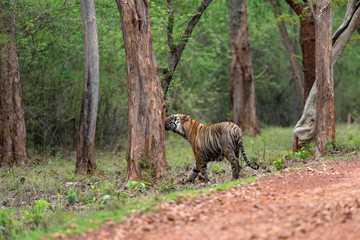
(242, 80)
(307, 42)
(12, 121)
(146, 128)
(85, 156)
(304, 131)
(325, 99)
(290, 51)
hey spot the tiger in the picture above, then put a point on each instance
(210, 143)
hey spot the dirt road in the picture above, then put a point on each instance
(320, 201)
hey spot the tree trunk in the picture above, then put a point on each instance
(307, 42)
(146, 129)
(304, 131)
(325, 100)
(242, 80)
(343, 34)
(290, 51)
(12, 122)
(85, 157)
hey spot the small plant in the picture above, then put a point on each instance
(8, 226)
(87, 200)
(36, 214)
(69, 218)
(218, 169)
(105, 199)
(107, 187)
(137, 187)
(59, 156)
(95, 190)
(355, 114)
(330, 147)
(289, 153)
(168, 186)
(302, 154)
(279, 164)
(71, 197)
(121, 195)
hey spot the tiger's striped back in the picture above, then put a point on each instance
(210, 143)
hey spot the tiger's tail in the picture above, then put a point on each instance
(256, 167)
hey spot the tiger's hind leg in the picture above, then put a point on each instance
(238, 161)
(235, 165)
(204, 173)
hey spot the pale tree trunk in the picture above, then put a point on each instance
(12, 122)
(343, 34)
(242, 80)
(304, 131)
(146, 128)
(325, 99)
(85, 155)
(290, 51)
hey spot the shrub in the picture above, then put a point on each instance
(35, 215)
(8, 226)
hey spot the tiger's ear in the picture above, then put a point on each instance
(186, 117)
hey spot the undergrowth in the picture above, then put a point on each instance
(47, 195)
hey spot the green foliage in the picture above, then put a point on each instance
(279, 164)
(121, 195)
(136, 188)
(94, 190)
(87, 200)
(168, 186)
(51, 62)
(347, 140)
(289, 18)
(71, 197)
(35, 215)
(9, 227)
(49, 41)
(68, 218)
(302, 154)
(218, 168)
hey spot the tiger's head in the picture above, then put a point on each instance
(174, 123)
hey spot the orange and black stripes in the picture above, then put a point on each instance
(210, 143)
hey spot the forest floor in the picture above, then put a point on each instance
(318, 201)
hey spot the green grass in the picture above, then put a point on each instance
(123, 209)
(76, 199)
(347, 138)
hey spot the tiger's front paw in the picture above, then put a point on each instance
(203, 178)
(189, 180)
(183, 181)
